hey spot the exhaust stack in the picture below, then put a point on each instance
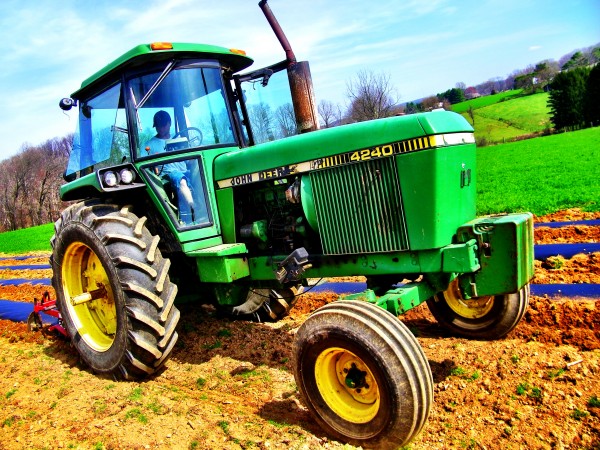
(301, 87)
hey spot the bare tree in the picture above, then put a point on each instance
(330, 113)
(371, 96)
(45, 181)
(261, 118)
(431, 103)
(29, 187)
(493, 85)
(471, 113)
(286, 118)
(13, 195)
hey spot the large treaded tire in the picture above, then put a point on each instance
(363, 375)
(105, 252)
(484, 318)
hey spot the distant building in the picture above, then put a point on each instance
(471, 93)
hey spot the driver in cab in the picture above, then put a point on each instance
(175, 171)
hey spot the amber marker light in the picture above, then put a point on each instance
(161, 46)
(237, 51)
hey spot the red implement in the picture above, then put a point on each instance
(46, 306)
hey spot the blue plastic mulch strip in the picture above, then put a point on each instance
(18, 281)
(566, 290)
(19, 258)
(344, 287)
(23, 267)
(541, 252)
(563, 290)
(567, 224)
(15, 311)
(19, 312)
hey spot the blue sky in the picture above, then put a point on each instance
(426, 47)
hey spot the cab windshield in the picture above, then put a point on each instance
(190, 99)
(190, 93)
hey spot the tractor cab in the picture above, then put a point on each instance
(160, 114)
(154, 112)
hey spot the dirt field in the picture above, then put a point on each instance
(229, 385)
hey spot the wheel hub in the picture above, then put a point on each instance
(474, 308)
(355, 378)
(347, 385)
(89, 297)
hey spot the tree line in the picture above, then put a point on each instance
(575, 98)
(30, 182)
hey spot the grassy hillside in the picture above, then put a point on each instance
(505, 116)
(27, 240)
(488, 100)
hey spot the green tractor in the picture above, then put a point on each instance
(192, 179)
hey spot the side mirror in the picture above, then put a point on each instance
(66, 104)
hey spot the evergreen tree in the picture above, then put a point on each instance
(567, 98)
(454, 95)
(577, 60)
(412, 108)
(592, 100)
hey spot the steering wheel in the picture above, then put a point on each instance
(194, 139)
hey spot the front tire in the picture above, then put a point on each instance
(486, 318)
(363, 375)
(113, 290)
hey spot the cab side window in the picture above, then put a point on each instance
(101, 138)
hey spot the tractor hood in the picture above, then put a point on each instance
(277, 158)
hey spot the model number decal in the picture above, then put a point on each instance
(370, 153)
(381, 151)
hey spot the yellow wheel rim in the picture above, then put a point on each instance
(474, 308)
(347, 385)
(88, 296)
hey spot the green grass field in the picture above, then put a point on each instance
(27, 240)
(541, 175)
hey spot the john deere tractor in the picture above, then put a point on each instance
(192, 178)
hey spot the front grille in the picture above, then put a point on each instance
(359, 208)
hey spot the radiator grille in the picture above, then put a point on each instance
(359, 208)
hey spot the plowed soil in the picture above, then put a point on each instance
(229, 384)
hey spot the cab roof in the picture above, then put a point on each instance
(234, 59)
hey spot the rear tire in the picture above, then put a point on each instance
(486, 318)
(113, 290)
(363, 375)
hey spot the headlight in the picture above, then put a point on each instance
(127, 176)
(110, 179)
